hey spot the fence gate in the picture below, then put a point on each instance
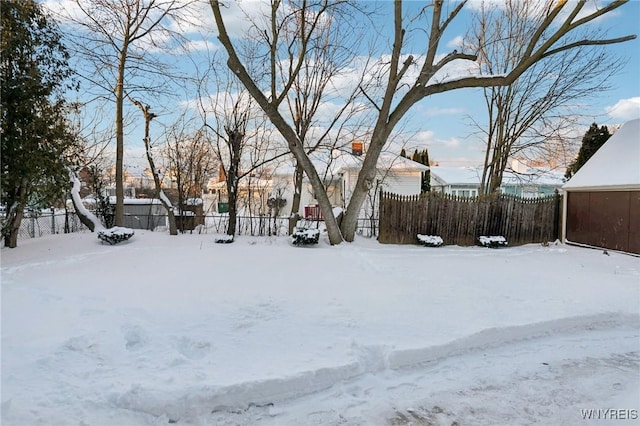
(460, 221)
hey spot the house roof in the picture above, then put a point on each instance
(616, 165)
(386, 161)
(457, 175)
(346, 161)
(242, 184)
(534, 177)
(471, 176)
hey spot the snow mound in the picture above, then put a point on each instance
(115, 235)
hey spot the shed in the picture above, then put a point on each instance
(143, 213)
(602, 201)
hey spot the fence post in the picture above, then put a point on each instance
(53, 221)
(33, 225)
(557, 205)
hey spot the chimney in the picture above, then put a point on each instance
(222, 176)
(357, 148)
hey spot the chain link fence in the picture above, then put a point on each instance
(49, 222)
(36, 224)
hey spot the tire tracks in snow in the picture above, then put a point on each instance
(370, 359)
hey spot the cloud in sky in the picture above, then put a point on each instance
(625, 109)
(434, 111)
(455, 43)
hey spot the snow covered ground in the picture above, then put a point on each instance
(162, 329)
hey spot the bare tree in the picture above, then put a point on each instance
(528, 117)
(155, 173)
(313, 86)
(189, 160)
(242, 144)
(117, 43)
(401, 90)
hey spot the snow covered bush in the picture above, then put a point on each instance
(430, 240)
(305, 236)
(492, 241)
(224, 239)
(115, 235)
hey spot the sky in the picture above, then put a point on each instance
(443, 122)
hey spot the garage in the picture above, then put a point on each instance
(602, 200)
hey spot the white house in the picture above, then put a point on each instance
(252, 197)
(521, 181)
(394, 174)
(458, 181)
(282, 187)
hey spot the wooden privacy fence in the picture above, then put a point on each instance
(461, 221)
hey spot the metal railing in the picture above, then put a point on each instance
(42, 223)
(36, 224)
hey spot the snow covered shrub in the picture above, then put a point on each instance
(430, 240)
(115, 235)
(305, 236)
(224, 239)
(492, 241)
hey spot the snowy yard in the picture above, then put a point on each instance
(180, 330)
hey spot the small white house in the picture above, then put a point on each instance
(252, 197)
(458, 181)
(283, 188)
(394, 174)
(525, 182)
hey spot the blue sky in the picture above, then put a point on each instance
(445, 115)
(439, 122)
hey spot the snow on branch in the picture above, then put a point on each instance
(80, 209)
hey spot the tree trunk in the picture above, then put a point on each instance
(15, 214)
(173, 229)
(298, 175)
(86, 217)
(236, 136)
(119, 93)
(366, 180)
(148, 116)
(13, 220)
(83, 219)
(232, 190)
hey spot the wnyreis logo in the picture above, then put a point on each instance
(609, 414)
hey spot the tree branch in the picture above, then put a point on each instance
(587, 42)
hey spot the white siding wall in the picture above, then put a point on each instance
(398, 182)
(285, 185)
(403, 182)
(307, 198)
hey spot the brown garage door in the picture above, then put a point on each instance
(605, 219)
